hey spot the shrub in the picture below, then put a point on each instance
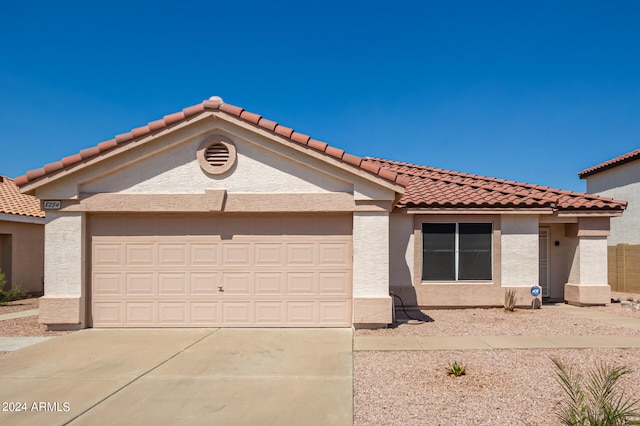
(3, 280)
(456, 369)
(510, 299)
(14, 293)
(596, 400)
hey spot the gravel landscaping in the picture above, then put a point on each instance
(27, 326)
(501, 387)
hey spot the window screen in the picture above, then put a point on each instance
(456, 251)
(438, 251)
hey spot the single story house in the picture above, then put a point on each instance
(21, 238)
(215, 216)
(619, 178)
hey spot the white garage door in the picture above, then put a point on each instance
(221, 271)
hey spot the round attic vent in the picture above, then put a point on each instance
(216, 154)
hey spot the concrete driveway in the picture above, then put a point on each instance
(181, 376)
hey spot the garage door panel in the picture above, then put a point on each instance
(108, 254)
(301, 283)
(140, 254)
(174, 284)
(234, 254)
(108, 313)
(334, 312)
(269, 283)
(204, 283)
(141, 283)
(173, 314)
(335, 283)
(205, 313)
(333, 254)
(273, 277)
(301, 254)
(140, 314)
(269, 313)
(172, 254)
(236, 313)
(204, 254)
(268, 254)
(107, 284)
(237, 283)
(302, 313)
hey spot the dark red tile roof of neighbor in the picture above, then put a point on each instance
(618, 161)
(13, 202)
(430, 187)
(213, 104)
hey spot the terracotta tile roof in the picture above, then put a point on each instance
(215, 103)
(618, 161)
(13, 202)
(430, 187)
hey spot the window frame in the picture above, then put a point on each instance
(456, 278)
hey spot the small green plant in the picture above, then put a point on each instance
(510, 299)
(14, 293)
(596, 400)
(3, 280)
(456, 369)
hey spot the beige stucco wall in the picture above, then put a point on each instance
(589, 265)
(621, 183)
(519, 242)
(257, 170)
(401, 250)
(64, 251)
(370, 254)
(26, 254)
(588, 283)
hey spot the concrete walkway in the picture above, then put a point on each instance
(9, 344)
(425, 343)
(21, 314)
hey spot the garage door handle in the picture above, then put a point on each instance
(220, 288)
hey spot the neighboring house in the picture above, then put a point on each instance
(21, 238)
(215, 216)
(619, 178)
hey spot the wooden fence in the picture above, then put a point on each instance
(624, 268)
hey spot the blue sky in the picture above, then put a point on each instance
(529, 91)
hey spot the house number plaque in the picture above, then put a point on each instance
(51, 205)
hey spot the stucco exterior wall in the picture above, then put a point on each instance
(177, 171)
(370, 254)
(26, 254)
(64, 247)
(592, 259)
(401, 250)
(519, 242)
(621, 183)
(372, 304)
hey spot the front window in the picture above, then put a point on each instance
(456, 251)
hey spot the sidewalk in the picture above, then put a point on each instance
(422, 343)
(9, 344)
(21, 314)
